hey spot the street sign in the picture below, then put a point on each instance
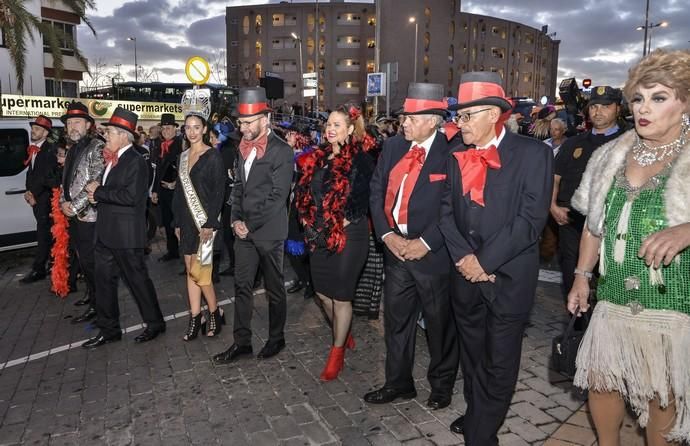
(310, 83)
(197, 70)
(309, 92)
(270, 74)
(376, 84)
(309, 76)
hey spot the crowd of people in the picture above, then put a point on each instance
(438, 213)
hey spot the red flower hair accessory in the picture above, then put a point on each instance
(354, 113)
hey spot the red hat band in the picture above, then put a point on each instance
(252, 109)
(122, 122)
(417, 105)
(472, 91)
(44, 122)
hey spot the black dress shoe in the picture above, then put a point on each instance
(168, 257)
(438, 401)
(309, 292)
(458, 426)
(387, 395)
(149, 334)
(295, 287)
(83, 301)
(231, 354)
(89, 314)
(101, 340)
(32, 277)
(271, 349)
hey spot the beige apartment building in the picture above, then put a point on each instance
(449, 43)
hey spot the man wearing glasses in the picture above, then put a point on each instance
(259, 221)
(495, 205)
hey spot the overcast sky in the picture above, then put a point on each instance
(598, 37)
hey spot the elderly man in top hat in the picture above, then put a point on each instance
(603, 109)
(121, 233)
(259, 220)
(405, 200)
(165, 155)
(83, 165)
(40, 180)
(494, 208)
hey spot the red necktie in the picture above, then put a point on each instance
(165, 147)
(110, 158)
(258, 143)
(410, 165)
(31, 151)
(473, 165)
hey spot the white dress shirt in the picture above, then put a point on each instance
(109, 167)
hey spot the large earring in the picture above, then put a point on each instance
(685, 119)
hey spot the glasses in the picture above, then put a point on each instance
(466, 116)
(241, 123)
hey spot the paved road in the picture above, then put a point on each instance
(167, 392)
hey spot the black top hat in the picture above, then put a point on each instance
(605, 95)
(424, 99)
(168, 119)
(124, 119)
(252, 101)
(481, 88)
(76, 110)
(43, 121)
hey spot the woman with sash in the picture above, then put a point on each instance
(197, 205)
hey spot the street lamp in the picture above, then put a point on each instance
(416, 33)
(136, 66)
(648, 31)
(301, 72)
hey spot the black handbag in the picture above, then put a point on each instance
(564, 347)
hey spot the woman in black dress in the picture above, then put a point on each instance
(207, 174)
(333, 199)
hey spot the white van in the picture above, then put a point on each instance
(17, 223)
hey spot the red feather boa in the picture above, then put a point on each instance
(59, 274)
(334, 200)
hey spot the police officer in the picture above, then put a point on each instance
(603, 109)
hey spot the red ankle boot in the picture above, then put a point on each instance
(350, 342)
(334, 364)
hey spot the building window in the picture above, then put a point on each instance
(310, 66)
(349, 19)
(499, 53)
(427, 41)
(65, 89)
(258, 23)
(65, 33)
(529, 58)
(322, 45)
(245, 25)
(371, 21)
(257, 70)
(278, 19)
(348, 42)
(371, 42)
(258, 48)
(426, 64)
(451, 54)
(529, 39)
(310, 45)
(371, 66)
(527, 77)
(427, 16)
(290, 20)
(347, 87)
(322, 23)
(347, 65)
(311, 21)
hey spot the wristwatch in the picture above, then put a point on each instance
(582, 272)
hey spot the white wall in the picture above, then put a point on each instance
(34, 81)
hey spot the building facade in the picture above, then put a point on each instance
(269, 38)
(449, 43)
(39, 75)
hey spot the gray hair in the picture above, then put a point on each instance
(130, 135)
(559, 121)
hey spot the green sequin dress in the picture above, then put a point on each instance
(628, 283)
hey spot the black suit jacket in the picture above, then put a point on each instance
(425, 201)
(41, 178)
(261, 200)
(121, 222)
(166, 167)
(504, 233)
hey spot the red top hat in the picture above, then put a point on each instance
(481, 88)
(76, 110)
(124, 119)
(424, 99)
(252, 101)
(43, 121)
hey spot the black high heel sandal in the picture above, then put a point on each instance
(195, 324)
(216, 320)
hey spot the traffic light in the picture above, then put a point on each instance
(586, 83)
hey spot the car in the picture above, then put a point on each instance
(17, 223)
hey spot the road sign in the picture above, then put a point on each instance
(270, 74)
(309, 92)
(197, 70)
(309, 76)
(310, 83)
(376, 84)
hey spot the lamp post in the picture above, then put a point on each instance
(136, 66)
(648, 32)
(301, 72)
(416, 34)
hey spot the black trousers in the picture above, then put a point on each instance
(569, 249)
(250, 255)
(111, 264)
(84, 236)
(228, 235)
(44, 238)
(490, 348)
(406, 293)
(165, 201)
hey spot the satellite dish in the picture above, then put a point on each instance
(544, 100)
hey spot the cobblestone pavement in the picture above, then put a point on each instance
(167, 392)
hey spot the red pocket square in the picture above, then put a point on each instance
(433, 177)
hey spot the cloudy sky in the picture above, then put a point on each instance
(598, 37)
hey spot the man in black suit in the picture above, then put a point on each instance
(259, 220)
(40, 181)
(164, 155)
(405, 200)
(494, 208)
(121, 234)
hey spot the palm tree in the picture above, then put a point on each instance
(16, 24)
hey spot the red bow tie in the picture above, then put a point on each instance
(473, 165)
(31, 151)
(165, 147)
(259, 143)
(110, 158)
